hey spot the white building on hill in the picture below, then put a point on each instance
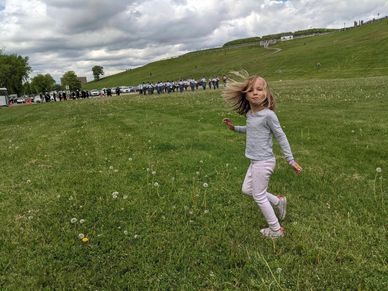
(286, 37)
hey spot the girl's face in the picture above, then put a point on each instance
(257, 93)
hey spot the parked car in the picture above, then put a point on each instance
(20, 100)
(125, 89)
(94, 92)
(37, 99)
(13, 98)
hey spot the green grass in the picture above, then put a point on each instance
(359, 52)
(64, 160)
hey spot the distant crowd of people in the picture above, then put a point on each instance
(63, 95)
(144, 89)
(180, 86)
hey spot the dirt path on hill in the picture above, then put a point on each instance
(276, 50)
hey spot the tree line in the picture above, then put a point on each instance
(15, 72)
(278, 36)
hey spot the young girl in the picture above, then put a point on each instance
(252, 97)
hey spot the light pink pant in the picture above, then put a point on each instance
(256, 184)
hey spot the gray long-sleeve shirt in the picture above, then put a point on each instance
(260, 128)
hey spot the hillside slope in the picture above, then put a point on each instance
(352, 53)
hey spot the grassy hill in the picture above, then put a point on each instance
(356, 52)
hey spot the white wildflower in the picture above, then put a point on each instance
(279, 270)
(126, 232)
(156, 184)
(135, 236)
(129, 159)
(81, 236)
(73, 220)
(378, 170)
(111, 168)
(115, 194)
(205, 185)
(153, 173)
(82, 221)
(206, 211)
(197, 173)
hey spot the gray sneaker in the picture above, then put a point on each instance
(282, 207)
(271, 233)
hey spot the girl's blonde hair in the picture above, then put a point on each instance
(237, 86)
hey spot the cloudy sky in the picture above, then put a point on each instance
(63, 35)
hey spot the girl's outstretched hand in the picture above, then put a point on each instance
(296, 167)
(229, 123)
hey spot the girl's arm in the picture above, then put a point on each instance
(230, 125)
(296, 167)
(281, 137)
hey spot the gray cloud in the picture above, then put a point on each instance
(63, 35)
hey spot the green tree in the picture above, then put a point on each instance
(42, 83)
(27, 89)
(70, 79)
(14, 70)
(97, 71)
(57, 87)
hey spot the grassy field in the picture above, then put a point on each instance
(153, 183)
(359, 52)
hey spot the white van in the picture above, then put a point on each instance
(3, 97)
